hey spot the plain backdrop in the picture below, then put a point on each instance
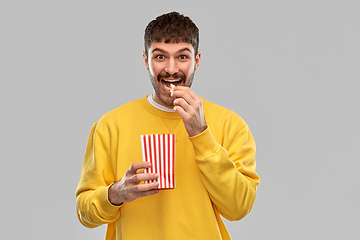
(290, 69)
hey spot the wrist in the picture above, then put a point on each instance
(197, 132)
(112, 196)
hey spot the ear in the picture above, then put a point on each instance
(146, 60)
(197, 60)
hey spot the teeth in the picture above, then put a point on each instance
(172, 80)
(166, 87)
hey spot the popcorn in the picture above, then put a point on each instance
(172, 88)
(159, 150)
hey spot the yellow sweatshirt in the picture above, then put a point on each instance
(214, 175)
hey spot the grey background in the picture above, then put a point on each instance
(289, 68)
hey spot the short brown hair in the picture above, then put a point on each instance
(173, 27)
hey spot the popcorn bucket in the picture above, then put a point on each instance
(159, 150)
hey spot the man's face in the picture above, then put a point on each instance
(170, 63)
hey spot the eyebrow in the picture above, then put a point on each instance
(180, 51)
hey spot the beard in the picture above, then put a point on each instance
(164, 97)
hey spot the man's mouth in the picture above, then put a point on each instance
(166, 83)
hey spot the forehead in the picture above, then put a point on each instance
(171, 47)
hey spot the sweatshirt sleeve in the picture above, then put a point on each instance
(92, 204)
(228, 171)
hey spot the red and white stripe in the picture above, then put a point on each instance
(159, 150)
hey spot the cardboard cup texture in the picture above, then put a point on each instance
(159, 150)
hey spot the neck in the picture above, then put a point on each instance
(158, 105)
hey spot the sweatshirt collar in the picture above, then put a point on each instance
(146, 104)
(159, 106)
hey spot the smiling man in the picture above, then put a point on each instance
(214, 150)
(170, 64)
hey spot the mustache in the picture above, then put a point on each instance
(167, 75)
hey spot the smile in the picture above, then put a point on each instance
(166, 83)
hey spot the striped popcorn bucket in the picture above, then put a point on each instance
(159, 150)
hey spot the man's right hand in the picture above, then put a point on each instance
(128, 188)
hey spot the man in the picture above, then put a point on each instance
(215, 152)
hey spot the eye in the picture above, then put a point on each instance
(160, 56)
(183, 57)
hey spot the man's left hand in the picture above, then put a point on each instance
(190, 107)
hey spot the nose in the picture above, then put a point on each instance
(171, 67)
